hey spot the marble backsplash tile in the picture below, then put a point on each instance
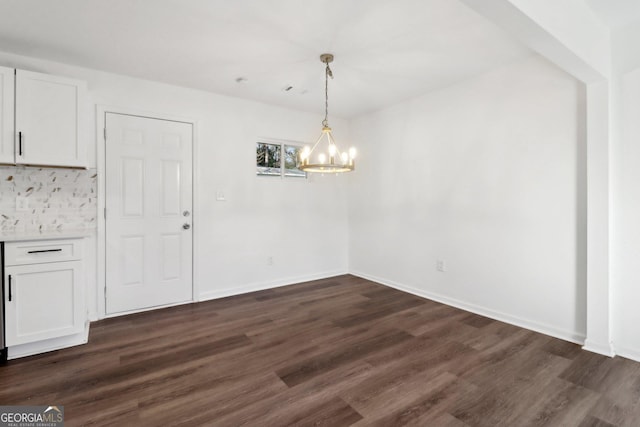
(58, 199)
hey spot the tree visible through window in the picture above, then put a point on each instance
(291, 158)
(273, 159)
(268, 159)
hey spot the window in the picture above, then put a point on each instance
(268, 159)
(278, 159)
(291, 156)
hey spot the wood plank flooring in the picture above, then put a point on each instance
(334, 352)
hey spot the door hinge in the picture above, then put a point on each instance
(105, 213)
(105, 134)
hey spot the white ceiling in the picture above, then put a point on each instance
(616, 13)
(386, 50)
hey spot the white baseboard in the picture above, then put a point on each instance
(52, 344)
(628, 353)
(228, 292)
(142, 310)
(605, 349)
(261, 286)
(483, 311)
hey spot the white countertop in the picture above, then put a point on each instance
(18, 236)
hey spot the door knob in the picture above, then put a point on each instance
(186, 226)
(186, 213)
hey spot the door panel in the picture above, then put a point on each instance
(170, 188)
(148, 187)
(171, 256)
(132, 260)
(132, 186)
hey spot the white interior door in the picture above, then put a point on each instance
(148, 217)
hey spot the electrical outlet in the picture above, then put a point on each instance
(22, 203)
(441, 265)
(270, 260)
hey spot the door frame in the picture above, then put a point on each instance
(98, 300)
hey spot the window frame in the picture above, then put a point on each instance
(282, 144)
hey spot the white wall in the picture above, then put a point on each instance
(573, 22)
(487, 175)
(626, 219)
(625, 158)
(262, 216)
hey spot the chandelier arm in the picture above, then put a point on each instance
(333, 141)
(316, 144)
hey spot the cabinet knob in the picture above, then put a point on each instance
(186, 226)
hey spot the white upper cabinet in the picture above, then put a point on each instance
(48, 113)
(6, 115)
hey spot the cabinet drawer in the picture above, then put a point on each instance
(35, 252)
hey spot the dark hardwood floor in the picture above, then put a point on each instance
(335, 352)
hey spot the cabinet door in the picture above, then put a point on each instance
(43, 301)
(6, 115)
(48, 116)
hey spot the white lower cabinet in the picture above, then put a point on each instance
(44, 301)
(44, 291)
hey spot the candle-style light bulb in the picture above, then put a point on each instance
(352, 152)
(322, 157)
(304, 155)
(332, 149)
(345, 157)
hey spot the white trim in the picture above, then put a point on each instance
(628, 353)
(143, 309)
(269, 140)
(195, 212)
(101, 111)
(483, 311)
(101, 238)
(260, 286)
(51, 344)
(604, 349)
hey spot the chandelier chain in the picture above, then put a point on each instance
(327, 73)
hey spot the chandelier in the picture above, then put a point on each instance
(325, 156)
